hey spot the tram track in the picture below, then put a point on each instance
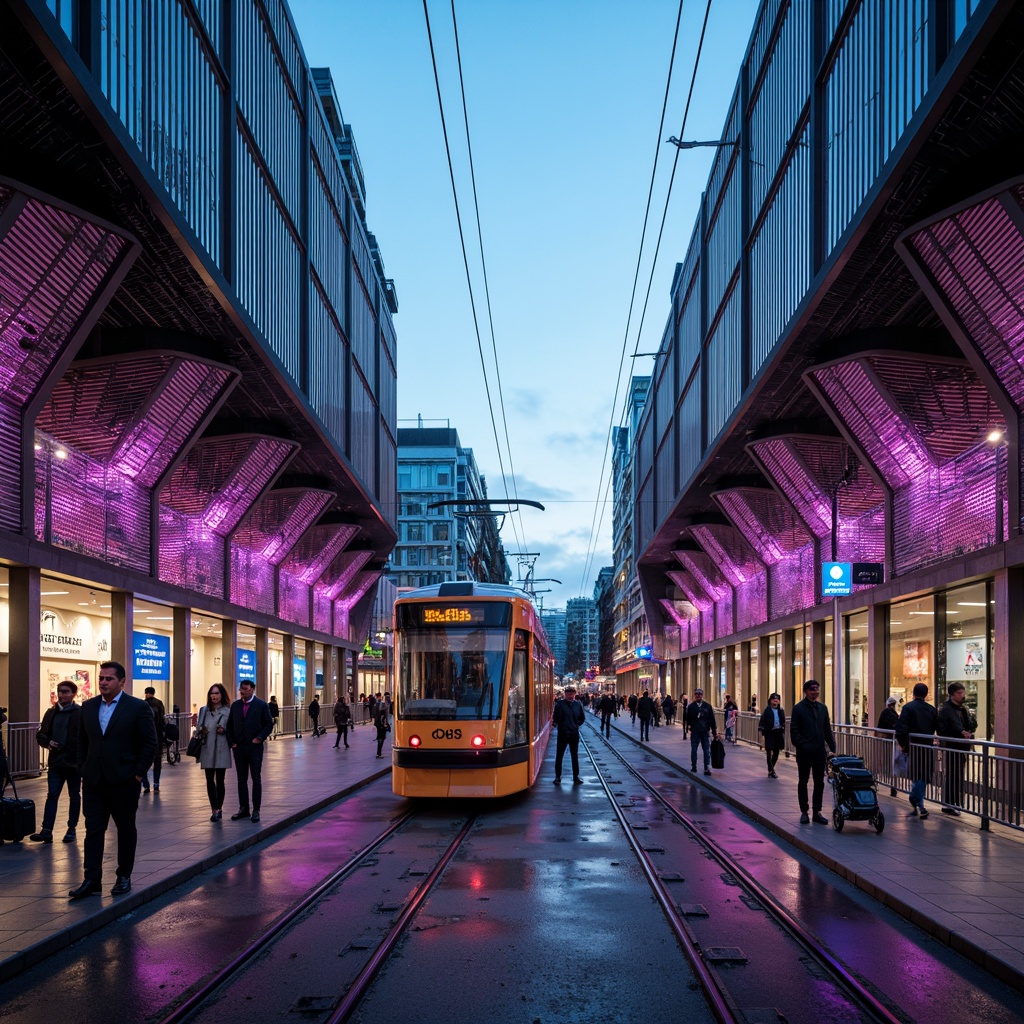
(701, 940)
(273, 949)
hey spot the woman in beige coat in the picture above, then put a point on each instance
(215, 757)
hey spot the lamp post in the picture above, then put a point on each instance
(997, 439)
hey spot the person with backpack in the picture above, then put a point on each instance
(382, 724)
(342, 720)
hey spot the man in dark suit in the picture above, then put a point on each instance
(249, 724)
(116, 744)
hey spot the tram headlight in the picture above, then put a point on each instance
(414, 741)
(478, 741)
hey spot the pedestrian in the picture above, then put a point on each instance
(700, 719)
(58, 736)
(773, 727)
(116, 743)
(810, 729)
(314, 715)
(275, 714)
(955, 724)
(249, 724)
(160, 721)
(631, 703)
(606, 707)
(683, 702)
(567, 718)
(382, 724)
(889, 718)
(918, 718)
(215, 756)
(342, 720)
(645, 711)
(732, 710)
(668, 706)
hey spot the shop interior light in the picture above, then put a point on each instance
(54, 593)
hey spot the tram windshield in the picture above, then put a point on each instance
(451, 673)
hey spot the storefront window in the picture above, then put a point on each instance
(207, 647)
(299, 673)
(911, 648)
(775, 663)
(855, 628)
(5, 633)
(755, 680)
(801, 648)
(275, 655)
(969, 650)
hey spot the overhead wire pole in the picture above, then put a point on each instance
(487, 287)
(462, 239)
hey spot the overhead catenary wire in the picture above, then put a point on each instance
(598, 521)
(462, 242)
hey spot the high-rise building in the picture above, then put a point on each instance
(555, 627)
(197, 400)
(581, 647)
(604, 600)
(451, 542)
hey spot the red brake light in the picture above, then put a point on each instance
(478, 741)
(414, 741)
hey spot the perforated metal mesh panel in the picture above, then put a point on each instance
(691, 588)
(766, 522)
(752, 602)
(705, 572)
(792, 582)
(733, 555)
(342, 571)
(293, 599)
(323, 608)
(279, 519)
(315, 551)
(252, 580)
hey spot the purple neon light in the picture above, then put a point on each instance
(725, 623)
(191, 554)
(316, 550)
(751, 602)
(692, 589)
(705, 572)
(790, 474)
(733, 555)
(792, 583)
(279, 520)
(342, 571)
(765, 521)
(674, 613)
(293, 599)
(323, 610)
(253, 581)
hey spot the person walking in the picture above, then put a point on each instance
(314, 715)
(918, 718)
(342, 720)
(732, 710)
(275, 714)
(889, 718)
(567, 718)
(700, 720)
(607, 707)
(683, 703)
(215, 756)
(249, 724)
(810, 729)
(668, 706)
(116, 743)
(645, 711)
(382, 724)
(772, 727)
(160, 721)
(955, 724)
(58, 736)
(631, 704)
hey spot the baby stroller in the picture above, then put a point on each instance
(854, 793)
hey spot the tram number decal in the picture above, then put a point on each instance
(447, 734)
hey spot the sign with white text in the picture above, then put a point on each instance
(836, 579)
(151, 656)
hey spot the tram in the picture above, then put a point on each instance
(474, 687)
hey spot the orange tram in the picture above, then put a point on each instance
(474, 689)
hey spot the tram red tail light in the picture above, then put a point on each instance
(478, 741)
(414, 741)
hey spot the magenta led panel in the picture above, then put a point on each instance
(692, 589)
(342, 571)
(316, 550)
(764, 519)
(293, 599)
(705, 572)
(279, 519)
(733, 555)
(789, 473)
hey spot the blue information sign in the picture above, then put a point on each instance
(246, 664)
(151, 656)
(643, 652)
(299, 673)
(836, 579)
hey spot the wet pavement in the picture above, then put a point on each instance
(962, 885)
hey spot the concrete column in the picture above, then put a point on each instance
(788, 681)
(732, 685)
(228, 657)
(353, 660)
(262, 663)
(122, 625)
(181, 659)
(287, 694)
(1008, 667)
(764, 686)
(816, 656)
(23, 658)
(877, 682)
(747, 685)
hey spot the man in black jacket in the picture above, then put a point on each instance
(249, 724)
(917, 724)
(159, 720)
(607, 707)
(955, 724)
(700, 720)
(567, 718)
(810, 729)
(58, 735)
(116, 744)
(645, 711)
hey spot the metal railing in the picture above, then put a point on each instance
(25, 758)
(976, 777)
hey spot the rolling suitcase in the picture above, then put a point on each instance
(17, 817)
(717, 754)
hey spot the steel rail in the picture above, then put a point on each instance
(719, 1001)
(194, 1001)
(364, 979)
(863, 997)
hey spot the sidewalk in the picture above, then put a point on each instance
(960, 884)
(177, 841)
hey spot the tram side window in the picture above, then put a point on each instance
(515, 726)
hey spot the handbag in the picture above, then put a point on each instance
(899, 761)
(195, 743)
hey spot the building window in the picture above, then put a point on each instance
(439, 532)
(969, 650)
(414, 532)
(911, 647)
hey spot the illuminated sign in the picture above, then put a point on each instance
(643, 652)
(151, 656)
(245, 664)
(452, 615)
(836, 579)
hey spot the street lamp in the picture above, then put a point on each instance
(712, 144)
(997, 439)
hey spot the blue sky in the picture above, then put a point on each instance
(564, 98)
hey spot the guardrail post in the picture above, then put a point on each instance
(984, 788)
